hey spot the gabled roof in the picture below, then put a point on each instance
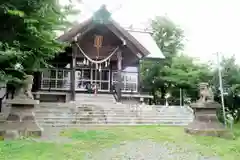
(146, 39)
(142, 43)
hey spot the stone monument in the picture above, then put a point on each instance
(206, 122)
(21, 118)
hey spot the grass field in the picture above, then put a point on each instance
(99, 138)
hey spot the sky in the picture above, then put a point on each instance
(210, 25)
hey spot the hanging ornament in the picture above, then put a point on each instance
(98, 61)
(96, 66)
(87, 62)
(100, 68)
(84, 61)
(106, 63)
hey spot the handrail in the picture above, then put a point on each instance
(114, 92)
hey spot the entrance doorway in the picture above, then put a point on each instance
(86, 76)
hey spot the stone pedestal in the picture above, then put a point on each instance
(21, 119)
(206, 122)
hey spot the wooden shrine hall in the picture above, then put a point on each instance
(103, 58)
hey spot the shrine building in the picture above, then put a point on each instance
(104, 58)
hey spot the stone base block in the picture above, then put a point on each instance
(214, 129)
(22, 102)
(2, 133)
(31, 129)
(29, 132)
(21, 120)
(11, 135)
(25, 129)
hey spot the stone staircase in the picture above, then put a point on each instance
(91, 98)
(89, 112)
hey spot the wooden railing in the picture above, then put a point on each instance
(114, 92)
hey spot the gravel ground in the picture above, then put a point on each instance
(53, 135)
(133, 150)
(146, 150)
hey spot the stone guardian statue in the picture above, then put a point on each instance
(25, 91)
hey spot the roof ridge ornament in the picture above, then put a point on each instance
(102, 15)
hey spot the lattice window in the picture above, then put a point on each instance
(86, 76)
(56, 79)
(129, 80)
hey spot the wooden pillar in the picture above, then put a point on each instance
(139, 76)
(119, 77)
(37, 81)
(110, 77)
(73, 70)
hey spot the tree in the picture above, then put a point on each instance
(231, 85)
(184, 73)
(181, 73)
(230, 75)
(28, 37)
(169, 38)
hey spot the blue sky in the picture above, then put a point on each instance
(210, 25)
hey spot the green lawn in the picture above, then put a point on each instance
(103, 137)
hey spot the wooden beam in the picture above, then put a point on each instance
(119, 75)
(110, 78)
(73, 70)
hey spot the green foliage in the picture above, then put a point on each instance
(184, 73)
(28, 34)
(231, 79)
(230, 75)
(168, 36)
(175, 71)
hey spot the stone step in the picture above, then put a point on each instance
(105, 107)
(112, 120)
(115, 122)
(105, 112)
(95, 98)
(111, 124)
(116, 117)
(63, 114)
(70, 109)
(119, 118)
(110, 96)
(64, 109)
(112, 113)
